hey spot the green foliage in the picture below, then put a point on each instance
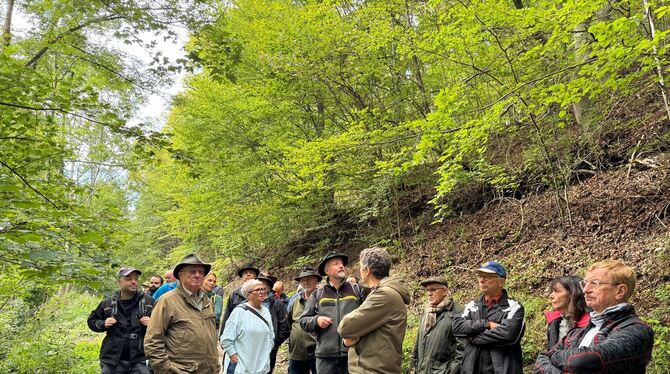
(55, 339)
(659, 320)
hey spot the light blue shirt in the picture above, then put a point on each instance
(250, 338)
(167, 287)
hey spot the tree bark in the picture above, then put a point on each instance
(7, 25)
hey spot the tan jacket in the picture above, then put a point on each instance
(379, 324)
(180, 338)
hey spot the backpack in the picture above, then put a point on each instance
(145, 310)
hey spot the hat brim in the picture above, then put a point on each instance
(299, 277)
(178, 268)
(488, 271)
(239, 272)
(432, 281)
(265, 279)
(322, 265)
(125, 275)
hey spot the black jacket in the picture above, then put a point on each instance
(334, 303)
(502, 343)
(623, 345)
(236, 298)
(127, 327)
(280, 324)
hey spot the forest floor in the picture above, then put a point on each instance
(622, 213)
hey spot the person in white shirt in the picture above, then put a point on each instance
(249, 337)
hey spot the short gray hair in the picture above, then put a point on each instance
(249, 286)
(377, 260)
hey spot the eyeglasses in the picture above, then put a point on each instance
(259, 290)
(487, 277)
(595, 284)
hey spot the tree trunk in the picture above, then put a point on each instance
(7, 26)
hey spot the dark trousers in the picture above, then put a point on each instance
(124, 367)
(334, 365)
(302, 367)
(231, 368)
(273, 359)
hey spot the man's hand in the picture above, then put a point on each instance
(350, 342)
(492, 325)
(324, 322)
(234, 358)
(109, 322)
(144, 321)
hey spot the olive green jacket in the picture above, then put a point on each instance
(301, 344)
(180, 338)
(379, 324)
(438, 350)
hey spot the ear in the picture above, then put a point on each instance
(621, 291)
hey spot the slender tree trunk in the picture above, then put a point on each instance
(657, 62)
(7, 26)
(518, 4)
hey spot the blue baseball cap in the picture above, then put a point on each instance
(493, 267)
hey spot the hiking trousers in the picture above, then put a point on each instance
(334, 365)
(124, 367)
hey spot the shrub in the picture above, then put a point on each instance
(56, 339)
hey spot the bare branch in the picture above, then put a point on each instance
(28, 184)
(33, 61)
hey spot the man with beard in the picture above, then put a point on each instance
(124, 317)
(155, 282)
(325, 309)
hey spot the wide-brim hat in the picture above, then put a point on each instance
(329, 256)
(263, 277)
(248, 267)
(190, 259)
(434, 280)
(308, 271)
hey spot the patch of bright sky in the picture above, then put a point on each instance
(154, 110)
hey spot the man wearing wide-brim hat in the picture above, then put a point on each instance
(437, 350)
(236, 297)
(492, 325)
(324, 317)
(181, 336)
(301, 344)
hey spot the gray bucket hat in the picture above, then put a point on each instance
(190, 259)
(308, 271)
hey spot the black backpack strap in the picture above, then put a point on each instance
(115, 306)
(252, 310)
(142, 304)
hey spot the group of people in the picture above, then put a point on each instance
(342, 326)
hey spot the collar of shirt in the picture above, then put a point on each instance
(491, 301)
(196, 297)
